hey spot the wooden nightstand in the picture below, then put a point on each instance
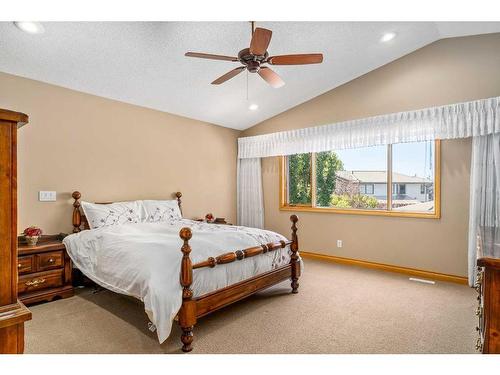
(44, 270)
(221, 221)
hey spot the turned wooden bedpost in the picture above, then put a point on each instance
(294, 261)
(178, 195)
(77, 216)
(187, 313)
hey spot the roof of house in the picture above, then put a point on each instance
(380, 177)
(418, 207)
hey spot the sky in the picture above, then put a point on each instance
(407, 158)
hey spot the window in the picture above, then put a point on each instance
(399, 189)
(412, 168)
(400, 180)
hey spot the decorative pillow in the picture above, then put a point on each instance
(157, 211)
(101, 215)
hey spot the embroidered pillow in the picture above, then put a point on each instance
(101, 215)
(158, 211)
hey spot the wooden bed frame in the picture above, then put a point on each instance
(195, 307)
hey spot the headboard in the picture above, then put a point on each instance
(79, 220)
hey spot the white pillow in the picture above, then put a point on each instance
(158, 211)
(101, 215)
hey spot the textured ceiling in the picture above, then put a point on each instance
(143, 63)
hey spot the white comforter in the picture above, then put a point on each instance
(143, 260)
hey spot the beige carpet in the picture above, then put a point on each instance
(339, 309)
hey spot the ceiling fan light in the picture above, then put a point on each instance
(30, 27)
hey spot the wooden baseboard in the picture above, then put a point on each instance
(387, 267)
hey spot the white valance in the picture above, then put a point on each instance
(475, 118)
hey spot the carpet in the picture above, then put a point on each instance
(339, 309)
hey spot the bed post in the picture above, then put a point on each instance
(294, 260)
(187, 313)
(77, 216)
(178, 195)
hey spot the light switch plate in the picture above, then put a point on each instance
(47, 196)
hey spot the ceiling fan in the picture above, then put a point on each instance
(254, 59)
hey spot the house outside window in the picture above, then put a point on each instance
(398, 180)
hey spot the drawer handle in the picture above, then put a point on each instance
(51, 260)
(19, 265)
(35, 282)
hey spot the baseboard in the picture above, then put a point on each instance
(387, 267)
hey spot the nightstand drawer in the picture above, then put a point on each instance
(48, 261)
(39, 281)
(49, 276)
(25, 264)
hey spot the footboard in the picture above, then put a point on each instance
(193, 308)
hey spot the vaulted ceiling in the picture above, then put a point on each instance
(143, 63)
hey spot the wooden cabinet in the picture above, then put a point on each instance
(488, 288)
(44, 270)
(13, 313)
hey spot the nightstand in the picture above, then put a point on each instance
(44, 270)
(221, 221)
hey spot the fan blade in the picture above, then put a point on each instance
(228, 75)
(210, 56)
(260, 41)
(310, 58)
(271, 77)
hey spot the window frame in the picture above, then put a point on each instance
(283, 193)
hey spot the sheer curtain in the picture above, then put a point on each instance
(484, 206)
(250, 199)
(479, 119)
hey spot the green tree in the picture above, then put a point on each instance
(299, 180)
(327, 165)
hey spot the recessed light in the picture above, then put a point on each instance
(253, 107)
(387, 37)
(30, 27)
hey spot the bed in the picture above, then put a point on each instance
(182, 279)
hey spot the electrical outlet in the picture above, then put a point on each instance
(47, 196)
(339, 243)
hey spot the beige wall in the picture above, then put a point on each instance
(447, 71)
(113, 151)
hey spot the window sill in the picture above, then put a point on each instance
(346, 211)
